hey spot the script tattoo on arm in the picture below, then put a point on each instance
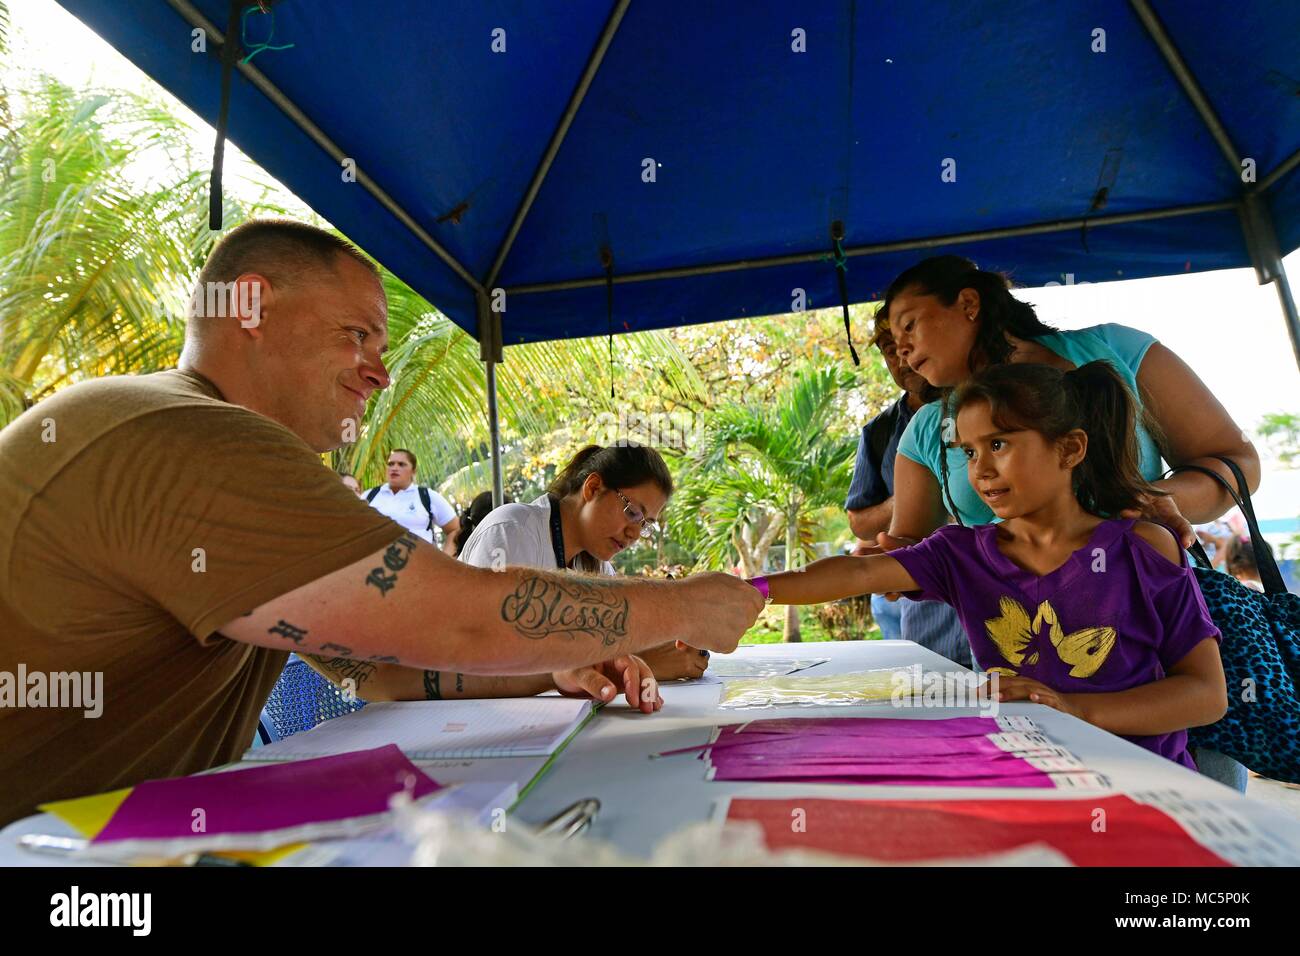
(396, 557)
(432, 690)
(542, 607)
(342, 668)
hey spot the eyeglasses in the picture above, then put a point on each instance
(634, 514)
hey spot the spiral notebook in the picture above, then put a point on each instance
(442, 730)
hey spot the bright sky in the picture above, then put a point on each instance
(1224, 325)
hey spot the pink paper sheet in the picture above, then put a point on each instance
(867, 750)
(271, 797)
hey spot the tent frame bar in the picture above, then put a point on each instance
(191, 14)
(1284, 167)
(1256, 223)
(1183, 74)
(557, 138)
(1060, 225)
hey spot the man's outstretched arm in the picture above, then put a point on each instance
(411, 605)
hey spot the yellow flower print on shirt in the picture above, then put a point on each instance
(1013, 633)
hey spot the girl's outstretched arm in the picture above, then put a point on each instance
(839, 577)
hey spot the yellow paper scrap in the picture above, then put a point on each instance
(89, 815)
(793, 690)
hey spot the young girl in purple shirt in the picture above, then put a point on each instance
(1097, 617)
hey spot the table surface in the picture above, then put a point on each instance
(645, 799)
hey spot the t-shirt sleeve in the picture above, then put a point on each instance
(1128, 343)
(443, 512)
(492, 545)
(920, 441)
(867, 488)
(247, 513)
(1181, 608)
(930, 563)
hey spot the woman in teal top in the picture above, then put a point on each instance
(1123, 347)
(950, 319)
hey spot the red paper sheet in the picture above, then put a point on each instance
(908, 831)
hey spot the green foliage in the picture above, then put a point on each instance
(1282, 429)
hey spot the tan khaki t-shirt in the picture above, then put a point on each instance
(156, 514)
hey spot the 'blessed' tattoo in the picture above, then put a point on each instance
(542, 607)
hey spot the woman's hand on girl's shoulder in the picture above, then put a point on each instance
(1162, 510)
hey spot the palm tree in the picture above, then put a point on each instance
(91, 257)
(763, 472)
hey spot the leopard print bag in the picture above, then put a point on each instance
(1261, 655)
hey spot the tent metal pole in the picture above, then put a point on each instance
(195, 18)
(494, 431)
(1183, 74)
(1288, 309)
(1261, 240)
(1284, 167)
(1062, 225)
(489, 350)
(557, 138)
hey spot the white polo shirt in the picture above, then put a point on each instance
(406, 509)
(519, 535)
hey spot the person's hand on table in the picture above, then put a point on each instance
(1162, 509)
(721, 608)
(603, 681)
(676, 661)
(1026, 688)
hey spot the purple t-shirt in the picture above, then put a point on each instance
(1116, 615)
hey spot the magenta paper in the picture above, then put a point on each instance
(866, 750)
(271, 797)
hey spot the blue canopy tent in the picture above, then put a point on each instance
(549, 170)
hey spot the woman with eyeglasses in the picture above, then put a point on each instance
(604, 500)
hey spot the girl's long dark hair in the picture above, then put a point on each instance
(473, 516)
(619, 466)
(1051, 402)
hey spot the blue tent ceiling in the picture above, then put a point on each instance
(755, 148)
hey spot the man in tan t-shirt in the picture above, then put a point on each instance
(170, 538)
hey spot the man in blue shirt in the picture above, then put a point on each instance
(870, 505)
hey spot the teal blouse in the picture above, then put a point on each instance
(1123, 347)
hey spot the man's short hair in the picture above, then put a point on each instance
(280, 249)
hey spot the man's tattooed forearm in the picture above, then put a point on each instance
(395, 559)
(288, 631)
(541, 607)
(342, 668)
(431, 689)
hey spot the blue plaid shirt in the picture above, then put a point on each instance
(873, 481)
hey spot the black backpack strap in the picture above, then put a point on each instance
(1269, 575)
(427, 502)
(370, 495)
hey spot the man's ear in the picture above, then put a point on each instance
(252, 297)
(1073, 447)
(591, 486)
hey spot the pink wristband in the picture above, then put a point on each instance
(760, 585)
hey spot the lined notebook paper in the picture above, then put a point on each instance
(441, 730)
